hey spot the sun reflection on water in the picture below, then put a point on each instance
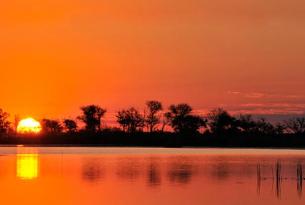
(27, 164)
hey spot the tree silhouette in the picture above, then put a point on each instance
(181, 119)
(295, 125)
(236, 131)
(153, 119)
(263, 127)
(279, 129)
(92, 116)
(130, 120)
(51, 126)
(246, 123)
(4, 123)
(220, 121)
(166, 120)
(70, 125)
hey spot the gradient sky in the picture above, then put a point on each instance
(243, 55)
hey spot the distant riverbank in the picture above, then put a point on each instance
(121, 139)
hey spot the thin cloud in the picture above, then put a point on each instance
(269, 108)
(267, 95)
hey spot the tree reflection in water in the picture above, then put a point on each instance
(129, 169)
(180, 173)
(92, 171)
(153, 175)
(221, 171)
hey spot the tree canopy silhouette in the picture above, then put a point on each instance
(51, 126)
(4, 123)
(296, 125)
(233, 130)
(130, 120)
(92, 117)
(152, 118)
(70, 125)
(220, 121)
(263, 127)
(182, 120)
(246, 123)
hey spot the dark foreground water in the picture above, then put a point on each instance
(150, 176)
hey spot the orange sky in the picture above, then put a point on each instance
(244, 55)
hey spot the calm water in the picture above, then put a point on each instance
(150, 176)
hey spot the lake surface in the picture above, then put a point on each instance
(132, 176)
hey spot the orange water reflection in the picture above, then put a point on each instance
(89, 177)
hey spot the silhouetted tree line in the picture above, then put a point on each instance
(177, 124)
(4, 123)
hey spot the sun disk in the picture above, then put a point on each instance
(28, 125)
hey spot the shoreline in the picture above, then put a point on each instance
(149, 147)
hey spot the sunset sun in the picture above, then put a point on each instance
(28, 125)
